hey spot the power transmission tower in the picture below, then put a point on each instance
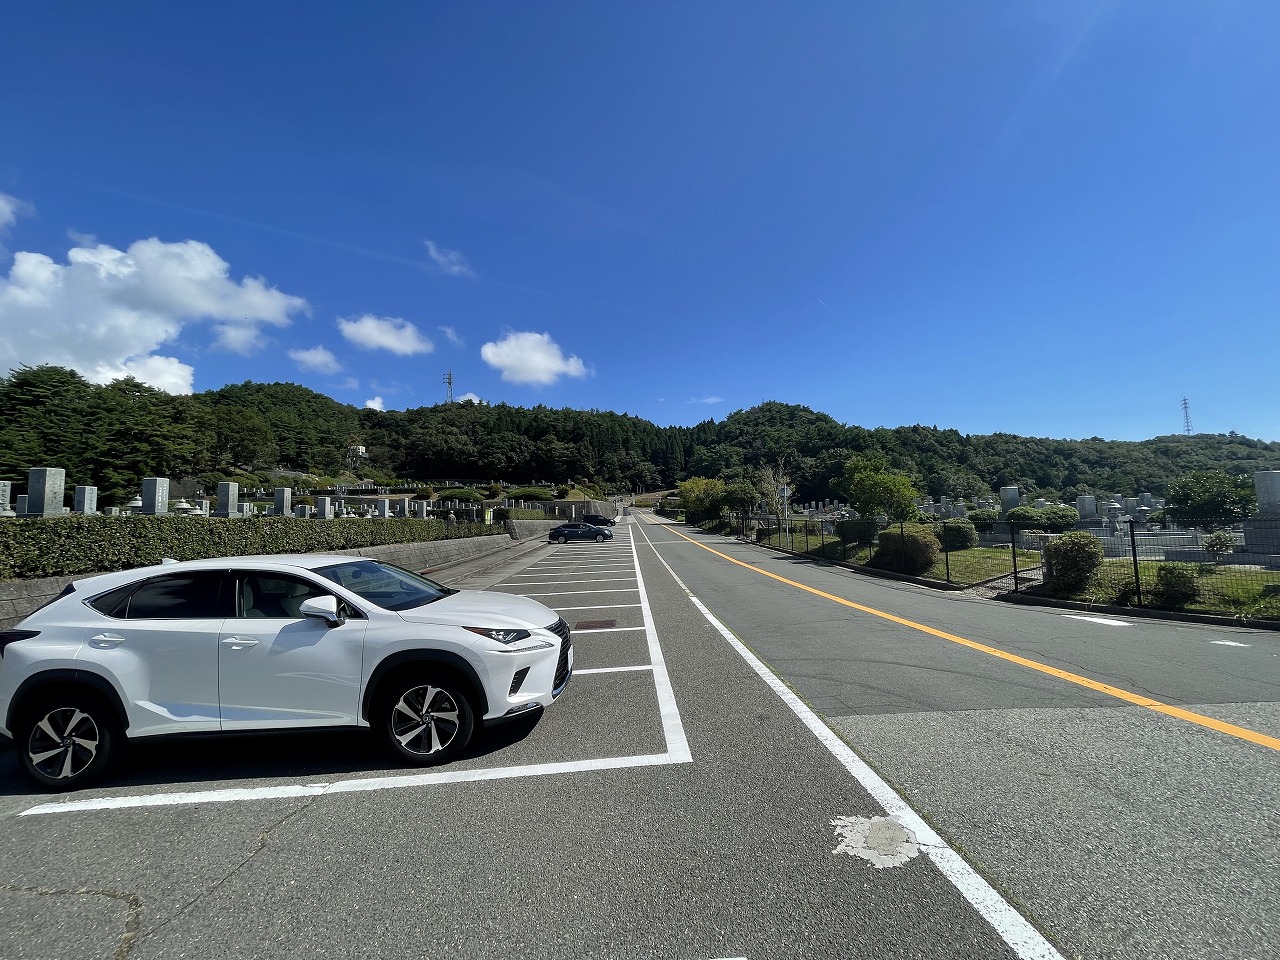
(1186, 416)
(448, 382)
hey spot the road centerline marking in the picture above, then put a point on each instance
(1178, 713)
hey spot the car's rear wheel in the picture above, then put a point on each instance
(67, 739)
(425, 718)
(561, 538)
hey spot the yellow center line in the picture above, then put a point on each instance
(1231, 729)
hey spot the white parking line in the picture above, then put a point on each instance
(569, 593)
(349, 786)
(643, 666)
(606, 630)
(600, 606)
(556, 583)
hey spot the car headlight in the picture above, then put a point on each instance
(502, 635)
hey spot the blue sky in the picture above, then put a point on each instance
(1044, 218)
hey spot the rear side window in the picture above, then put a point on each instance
(181, 596)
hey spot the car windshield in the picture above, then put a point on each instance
(389, 587)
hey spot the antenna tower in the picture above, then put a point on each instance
(448, 382)
(1186, 416)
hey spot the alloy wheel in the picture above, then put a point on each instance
(63, 744)
(425, 720)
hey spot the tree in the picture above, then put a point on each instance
(872, 490)
(701, 498)
(1211, 495)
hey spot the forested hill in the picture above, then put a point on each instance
(112, 436)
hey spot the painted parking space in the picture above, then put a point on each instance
(599, 590)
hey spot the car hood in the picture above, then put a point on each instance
(483, 608)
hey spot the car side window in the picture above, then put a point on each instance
(184, 596)
(275, 595)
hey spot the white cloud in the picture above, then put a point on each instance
(374, 403)
(469, 396)
(11, 208)
(530, 358)
(385, 333)
(81, 239)
(451, 335)
(316, 359)
(351, 383)
(706, 400)
(449, 262)
(106, 312)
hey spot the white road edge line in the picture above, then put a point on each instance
(350, 786)
(1024, 939)
(1108, 622)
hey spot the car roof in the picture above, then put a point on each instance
(303, 561)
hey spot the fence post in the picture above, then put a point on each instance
(946, 554)
(1013, 552)
(902, 543)
(1133, 547)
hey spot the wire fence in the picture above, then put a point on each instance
(1198, 566)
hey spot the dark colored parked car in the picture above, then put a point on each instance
(598, 520)
(579, 531)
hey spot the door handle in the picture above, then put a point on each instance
(239, 643)
(105, 641)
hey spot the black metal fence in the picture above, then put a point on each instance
(1198, 566)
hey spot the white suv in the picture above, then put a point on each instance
(270, 643)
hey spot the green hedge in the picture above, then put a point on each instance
(71, 545)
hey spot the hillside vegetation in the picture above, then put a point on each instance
(112, 436)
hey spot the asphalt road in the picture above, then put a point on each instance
(674, 804)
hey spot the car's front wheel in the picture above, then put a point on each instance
(599, 538)
(561, 538)
(424, 718)
(67, 739)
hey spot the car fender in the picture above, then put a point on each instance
(444, 657)
(32, 686)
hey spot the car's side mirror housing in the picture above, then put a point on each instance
(323, 608)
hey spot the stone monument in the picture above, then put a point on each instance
(1262, 530)
(155, 496)
(86, 500)
(228, 499)
(46, 487)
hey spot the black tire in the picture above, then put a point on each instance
(599, 538)
(424, 718)
(67, 738)
(561, 539)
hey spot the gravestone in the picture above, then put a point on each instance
(1040, 503)
(1087, 507)
(324, 508)
(383, 508)
(1131, 506)
(283, 501)
(86, 500)
(6, 491)
(20, 508)
(302, 511)
(46, 487)
(1262, 530)
(155, 496)
(228, 499)
(1009, 499)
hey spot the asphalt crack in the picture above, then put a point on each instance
(263, 837)
(133, 903)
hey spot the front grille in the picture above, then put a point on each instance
(561, 629)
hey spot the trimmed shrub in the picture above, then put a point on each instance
(1056, 519)
(70, 545)
(857, 531)
(1074, 558)
(983, 519)
(461, 494)
(1175, 586)
(1219, 543)
(958, 534)
(907, 549)
(541, 494)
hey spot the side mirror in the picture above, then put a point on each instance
(323, 608)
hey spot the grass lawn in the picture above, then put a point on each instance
(1224, 589)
